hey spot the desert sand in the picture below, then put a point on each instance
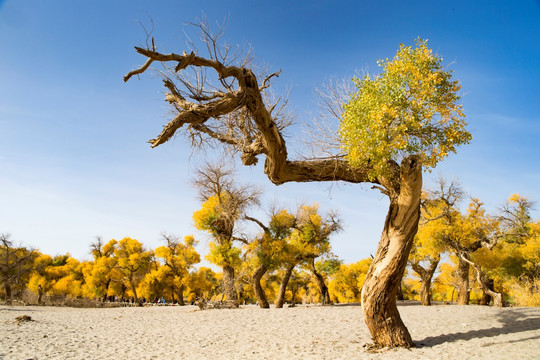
(302, 332)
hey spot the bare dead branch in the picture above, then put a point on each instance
(235, 113)
(262, 226)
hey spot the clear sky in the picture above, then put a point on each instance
(74, 162)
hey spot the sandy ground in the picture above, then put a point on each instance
(303, 332)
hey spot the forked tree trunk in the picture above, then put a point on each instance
(426, 274)
(257, 288)
(386, 271)
(319, 279)
(463, 282)
(180, 295)
(482, 279)
(283, 286)
(229, 290)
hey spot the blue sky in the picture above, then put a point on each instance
(73, 154)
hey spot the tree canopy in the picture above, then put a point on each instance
(411, 108)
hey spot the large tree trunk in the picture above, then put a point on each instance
(386, 271)
(283, 286)
(7, 289)
(425, 275)
(229, 290)
(486, 298)
(400, 295)
(180, 295)
(40, 294)
(319, 279)
(107, 284)
(133, 288)
(463, 282)
(257, 288)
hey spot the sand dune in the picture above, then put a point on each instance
(303, 332)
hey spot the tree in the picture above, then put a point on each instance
(202, 284)
(443, 225)
(516, 262)
(483, 229)
(104, 272)
(464, 235)
(346, 284)
(267, 250)
(309, 240)
(427, 248)
(15, 265)
(179, 257)
(402, 121)
(157, 282)
(321, 270)
(133, 262)
(224, 206)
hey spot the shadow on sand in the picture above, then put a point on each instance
(512, 321)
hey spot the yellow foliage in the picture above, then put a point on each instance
(223, 254)
(204, 218)
(411, 108)
(346, 284)
(525, 293)
(156, 283)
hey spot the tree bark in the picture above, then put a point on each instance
(481, 277)
(257, 288)
(463, 282)
(425, 275)
(400, 295)
(283, 286)
(40, 294)
(319, 279)
(106, 290)
(7, 289)
(181, 295)
(486, 298)
(133, 289)
(229, 289)
(386, 271)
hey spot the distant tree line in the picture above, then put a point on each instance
(458, 256)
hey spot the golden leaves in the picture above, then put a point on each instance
(411, 108)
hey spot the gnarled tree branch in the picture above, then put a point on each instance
(259, 133)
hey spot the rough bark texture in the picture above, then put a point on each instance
(482, 279)
(384, 276)
(463, 282)
(40, 294)
(7, 290)
(400, 295)
(280, 300)
(486, 298)
(257, 288)
(426, 274)
(181, 295)
(133, 289)
(229, 289)
(319, 279)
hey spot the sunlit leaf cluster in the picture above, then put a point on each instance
(411, 108)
